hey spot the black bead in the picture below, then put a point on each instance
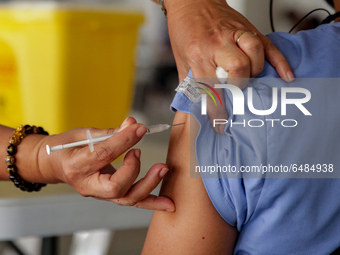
(12, 173)
(28, 130)
(23, 188)
(16, 182)
(13, 178)
(12, 149)
(12, 168)
(29, 186)
(40, 130)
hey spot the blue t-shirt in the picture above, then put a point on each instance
(281, 215)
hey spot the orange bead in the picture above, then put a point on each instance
(14, 140)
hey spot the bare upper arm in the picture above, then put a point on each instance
(195, 227)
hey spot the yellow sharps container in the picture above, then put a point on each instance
(65, 67)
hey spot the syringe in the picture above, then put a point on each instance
(97, 139)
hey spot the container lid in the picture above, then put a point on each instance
(36, 11)
(118, 6)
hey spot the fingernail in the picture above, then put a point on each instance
(290, 76)
(124, 122)
(137, 153)
(141, 131)
(163, 172)
(170, 210)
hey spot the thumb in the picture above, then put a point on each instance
(110, 149)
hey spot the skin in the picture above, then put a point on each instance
(195, 227)
(90, 174)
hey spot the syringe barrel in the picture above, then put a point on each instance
(93, 140)
(157, 128)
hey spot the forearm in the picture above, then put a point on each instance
(27, 156)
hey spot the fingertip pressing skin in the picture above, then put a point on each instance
(139, 194)
(161, 203)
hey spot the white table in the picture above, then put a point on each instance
(58, 210)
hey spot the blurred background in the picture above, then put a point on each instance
(80, 63)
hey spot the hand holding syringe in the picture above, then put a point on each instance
(97, 139)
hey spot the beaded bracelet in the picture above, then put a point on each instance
(19, 134)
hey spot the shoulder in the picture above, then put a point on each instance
(302, 49)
